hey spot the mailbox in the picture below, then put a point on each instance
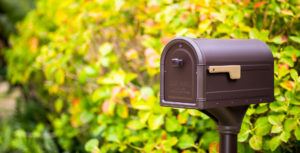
(221, 77)
(211, 73)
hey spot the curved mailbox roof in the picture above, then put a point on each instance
(226, 51)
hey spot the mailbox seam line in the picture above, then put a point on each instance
(224, 91)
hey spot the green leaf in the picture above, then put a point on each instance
(278, 106)
(91, 145)
(129, 77)
(185, 141)
(194, 112)
(294, 74)
(203, 26)
(278, 40)
(105, 48)
(169, 143)
(208, 138)
(144, 116)
(261, 35)
(285, 136)
(183, 117)
(60, 76)
(295, 39)
(282, 71)
(243, 135)
(58, 105)
(276, 129)
(155, 121)
(287, 60)
(122, 111)
(256, 142)
(146, 92)
(262, 126)
(245, 148)
(98, 130)
(86, 117)
(297, 133)
(276, 119)
(274, 143)
(294, 110)
(90, 71)
(290, 124)
(261, 109)
(135, 125)
(141, 105)
(245, 131)
(172, 124)
(250, 111)
(20, 133)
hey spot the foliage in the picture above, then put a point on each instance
(16, 139)
(23, 123)
(12, 11)
(95, 66)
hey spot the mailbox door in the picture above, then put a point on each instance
(179, 76)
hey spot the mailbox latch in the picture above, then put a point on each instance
(176, 62)
(233, 70)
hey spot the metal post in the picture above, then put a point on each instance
(228, 143)
(229, 121)
(228, 139)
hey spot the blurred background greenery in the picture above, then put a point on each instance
(11, 11)
(83, 75)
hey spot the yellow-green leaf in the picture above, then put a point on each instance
(155, 121)
(256, 142)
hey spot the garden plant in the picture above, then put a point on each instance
(89, 70)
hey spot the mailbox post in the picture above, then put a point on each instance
(220, 77)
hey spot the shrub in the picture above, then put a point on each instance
(12, 11)
(95, 66)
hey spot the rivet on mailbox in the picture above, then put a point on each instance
(220, 77)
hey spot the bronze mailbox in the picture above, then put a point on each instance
(210, 73)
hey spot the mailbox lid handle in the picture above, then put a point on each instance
(233, 70)
(177, 62)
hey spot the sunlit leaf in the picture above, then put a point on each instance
(274, 143)
(295, 39)
(172, 124)
(285, 136)
(135, 125)
(91, 145)
(262, 126)
(155, 121)
(276, 119)
(185, 141)
(297, 133)
(60, 76)
(290, 124)
(256, 142)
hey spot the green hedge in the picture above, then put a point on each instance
(95, 66)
